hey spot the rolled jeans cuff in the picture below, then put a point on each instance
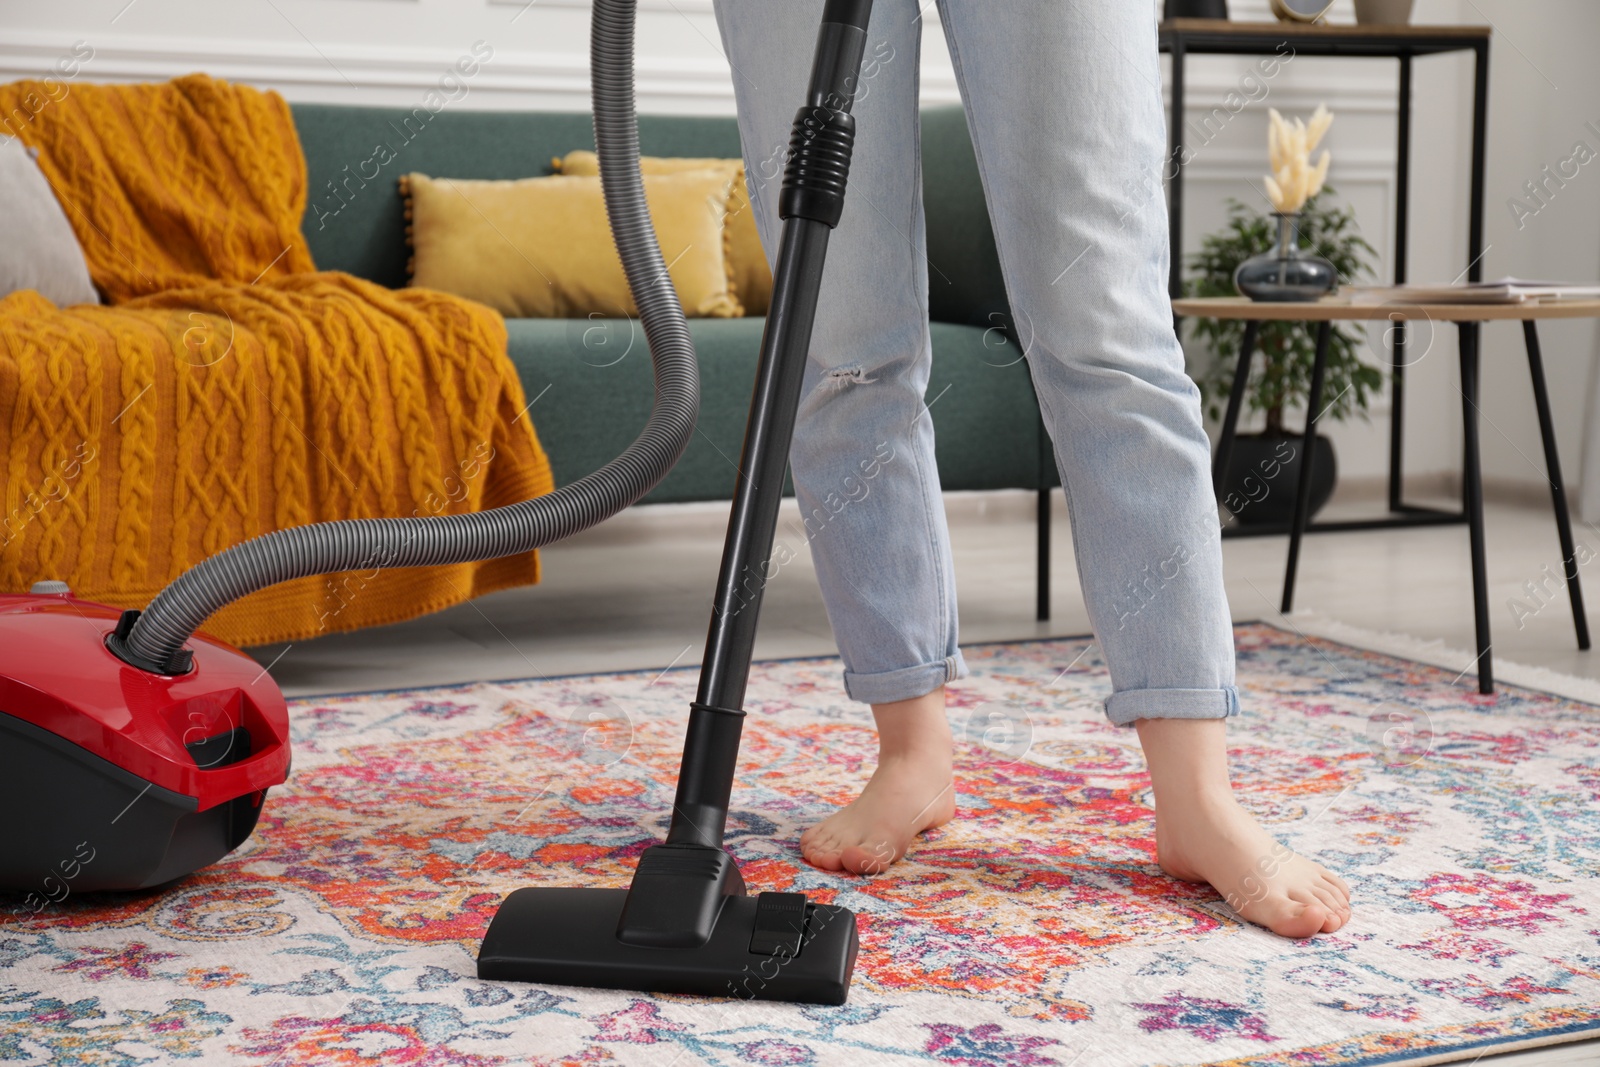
(1131, 704)
(906, 683)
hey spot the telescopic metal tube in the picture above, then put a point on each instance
(809, 203)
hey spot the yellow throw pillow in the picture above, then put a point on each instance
(752, 278)
(541, 248)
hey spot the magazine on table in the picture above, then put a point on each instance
(1501, 291)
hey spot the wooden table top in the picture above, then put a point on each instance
(1225, 37)
(1338, 308)
(1313, 30)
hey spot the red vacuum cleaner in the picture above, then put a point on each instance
(117, 778)
(135, 750)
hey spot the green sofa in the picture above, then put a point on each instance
(588, 408)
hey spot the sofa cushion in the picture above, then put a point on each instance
(354, 220)
(984, 415)
(541, 247)
(752, 277)
(38, 249)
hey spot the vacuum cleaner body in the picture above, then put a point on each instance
(116, 778)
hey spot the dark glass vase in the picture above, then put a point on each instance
(1286, 273)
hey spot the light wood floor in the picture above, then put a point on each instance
(635, 593)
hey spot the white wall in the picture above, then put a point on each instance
(1544, 87)
(1544, 97)
(374, 51)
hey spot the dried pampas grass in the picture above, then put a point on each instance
(1294, 180)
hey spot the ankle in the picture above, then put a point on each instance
(922, 754)
(914, 731)
(1204, 800)
(1188, 760)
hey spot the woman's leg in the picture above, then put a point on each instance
(1064, 101)
(862, 457)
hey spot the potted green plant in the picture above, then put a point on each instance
(1258, 487)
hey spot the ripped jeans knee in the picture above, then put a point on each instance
(850, 374)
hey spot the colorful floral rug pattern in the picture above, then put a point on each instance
(1035, 930)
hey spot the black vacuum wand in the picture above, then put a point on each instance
(686, 925)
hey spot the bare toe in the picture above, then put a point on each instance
(1334, 914)
(868, 858)
(827, 861)
(820, 848)
(1291, 917)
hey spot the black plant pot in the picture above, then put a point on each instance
(1264, 473)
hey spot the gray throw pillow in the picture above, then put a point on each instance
(38, 249)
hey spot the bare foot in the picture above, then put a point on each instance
(911, 791)
(1203, 835)
(903, 798)
(1215, 840)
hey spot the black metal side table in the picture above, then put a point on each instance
(1469, 319)
(1186, 37)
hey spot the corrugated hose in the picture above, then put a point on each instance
(154, 639)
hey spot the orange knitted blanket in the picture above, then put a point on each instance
(228, 388)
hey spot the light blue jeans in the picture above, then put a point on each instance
(1063, 98)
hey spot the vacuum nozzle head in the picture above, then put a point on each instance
(772, 946)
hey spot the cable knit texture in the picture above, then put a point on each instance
(228, 388)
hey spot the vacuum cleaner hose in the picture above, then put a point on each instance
(154, 640)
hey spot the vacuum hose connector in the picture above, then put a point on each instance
(820, 143)
(155, 639)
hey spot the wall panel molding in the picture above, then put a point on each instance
(302, 73)
(682, 7)
(299, 73)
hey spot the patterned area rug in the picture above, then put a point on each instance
(1035, 930)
